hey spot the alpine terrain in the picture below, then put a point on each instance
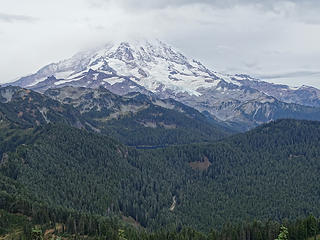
(157, 69)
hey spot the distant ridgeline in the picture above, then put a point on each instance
(134, 119)
(157, 69)
(61, 169)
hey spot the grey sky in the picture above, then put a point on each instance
(278, 40)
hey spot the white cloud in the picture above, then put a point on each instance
(12, 18)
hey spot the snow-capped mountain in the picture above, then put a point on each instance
(152, 65)
(155, 68)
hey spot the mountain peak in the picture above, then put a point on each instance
(154, 68)
(154, 65)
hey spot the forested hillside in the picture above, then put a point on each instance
(138, 119)
(268, 173)
(134, 119)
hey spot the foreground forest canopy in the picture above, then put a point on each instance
(73, 225)
(60, 174)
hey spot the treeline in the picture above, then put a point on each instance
(37, 220)
(160, 126)
(71, 222)
(269, 173)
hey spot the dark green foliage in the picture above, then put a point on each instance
(268, 173)
(137, 119)
(20, 217)
(169, 127)
(283, 235)
(36, 234)
(92, 173)
(9, 222)
(78, 226)
(55, 174)
(143, 124)
(26, 108)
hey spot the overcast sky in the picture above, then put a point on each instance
(277, 40)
